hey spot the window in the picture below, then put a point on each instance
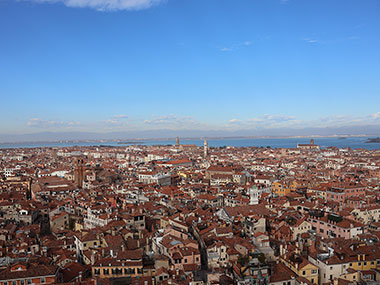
(106, 271)
(43, 280)
(29, 281)
(314, 271)
(22, 282)
(303, 272)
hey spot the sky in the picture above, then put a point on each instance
(238, 66)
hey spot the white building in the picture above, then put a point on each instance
(163, 179)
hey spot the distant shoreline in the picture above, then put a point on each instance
(140, 141)
(131, 142)
(373, 140)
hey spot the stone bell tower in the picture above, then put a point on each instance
(205, 148)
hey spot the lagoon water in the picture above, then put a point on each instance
(353, 142)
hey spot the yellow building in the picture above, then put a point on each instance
(302, 267)
(114, 268)
(85, 241)
(164, 222)
(319, 191)
(283, 188)
(366, 261)
(350, 275)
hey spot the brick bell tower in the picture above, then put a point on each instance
(79, 173)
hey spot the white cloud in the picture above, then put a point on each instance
(120, 117)
(46, 124)
(116, 121)
(265, 121)
(235, 46)
(271, 119)
(105, 5)
(113, 122)
(168, 119)
(174, 122)
(122, 122)
(311, 40)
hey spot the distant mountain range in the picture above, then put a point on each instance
(165, 133)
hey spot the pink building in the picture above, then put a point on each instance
(186, 256)
(340, 194)
(331, 226)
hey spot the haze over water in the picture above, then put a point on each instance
(352, 142)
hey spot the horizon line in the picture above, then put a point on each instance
(133, 140)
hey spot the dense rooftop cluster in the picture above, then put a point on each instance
(184, 214)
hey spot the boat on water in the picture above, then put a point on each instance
(373, 140)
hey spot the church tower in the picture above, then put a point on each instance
(29, 189)
(253, 196)
(205, 148)
(79, 173)
(177, 142)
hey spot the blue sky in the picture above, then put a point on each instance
(127, 65)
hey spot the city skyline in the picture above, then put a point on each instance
(198, 142)
(224, 67)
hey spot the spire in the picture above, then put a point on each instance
(205, 148)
